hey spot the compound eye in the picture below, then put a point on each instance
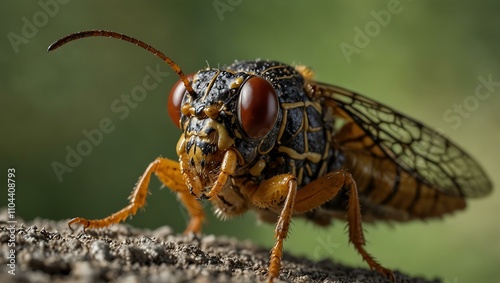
(175, 100)
(257, 107)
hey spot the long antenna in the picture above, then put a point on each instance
(112, 34)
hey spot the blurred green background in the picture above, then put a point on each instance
(422, 61)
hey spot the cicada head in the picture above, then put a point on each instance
(225, 111)
(219, 111)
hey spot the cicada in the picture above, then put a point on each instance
(265, 136)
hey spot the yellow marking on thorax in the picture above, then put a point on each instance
(311, 156)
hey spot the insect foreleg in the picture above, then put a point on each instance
(169, 173)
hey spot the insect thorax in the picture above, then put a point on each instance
(301, 143)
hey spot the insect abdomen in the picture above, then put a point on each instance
(386, 190)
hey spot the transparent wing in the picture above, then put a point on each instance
(422, 152)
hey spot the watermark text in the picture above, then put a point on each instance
(11, 222)
(94, 137)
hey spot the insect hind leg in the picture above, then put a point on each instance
(326, 187)
(356, 236)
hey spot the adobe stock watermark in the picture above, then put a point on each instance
(223, 6)
(94, 137)
(363, 36)
(455, 280)
(325, 248)
(39, 19)
(11, 220)
(461, 111)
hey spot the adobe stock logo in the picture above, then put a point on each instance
(325, 248)
(363, 37)
(121, 107)
(223, 6)
(460, 111)
(39, 19)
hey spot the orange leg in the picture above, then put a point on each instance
(356, 235)
(325, 188)
(168, 172)
(279, 194)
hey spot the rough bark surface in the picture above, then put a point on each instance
(47, 251)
